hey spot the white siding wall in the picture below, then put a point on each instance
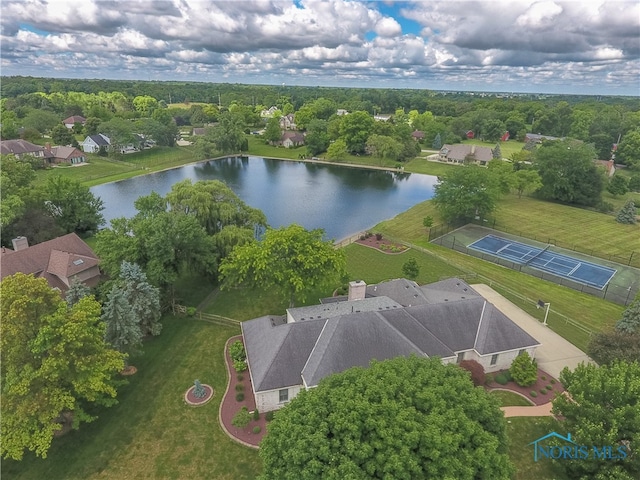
(504, 359)
(270, 400)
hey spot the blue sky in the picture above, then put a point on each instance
(542, 46)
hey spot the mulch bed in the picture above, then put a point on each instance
(539, 386)
(230, 406)
(196, 401)
(383, 245)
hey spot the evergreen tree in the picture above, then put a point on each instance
(123, 330)
(437, 142)
(77, 290)
(627, 214)
(142, 298)
(630, 321)
(411, 269)
(497, 152)
(618, 185)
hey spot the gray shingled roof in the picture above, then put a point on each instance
(342, 308)
(445, 319)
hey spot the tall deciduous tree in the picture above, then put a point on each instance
(293, 260)
(61, 135)
(618, 185)
(401, 418)
(568, 173)
(228, 135)
(15, 178)
(629, 149)
(55, 364)
(272, 132)
(466, 193)
(526, 181)
(72, 205)
(602, 408)
(355, 129)
(317, 138)
(337, 150)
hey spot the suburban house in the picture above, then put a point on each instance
(269, 113)
(199, 131)
(59, 261)
(20, 148)
(288, 122)
(469, 134)
(417, 135)
(464, 153)
(447, 319)
(341, 111)
(68, 155)
(382, 117)
(93, 143)
(291, 139)
(537, 138)
(72, 120)
(608, 165)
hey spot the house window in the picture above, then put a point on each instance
(494, 359)
(460, 357)
(284, 395)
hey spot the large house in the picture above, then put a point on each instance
(291, 139)
(68, 155)
(537, 138)
(288, 122)
(93, 143)
(447, 319)
(465, 153)
(59, 261)
(20, 148)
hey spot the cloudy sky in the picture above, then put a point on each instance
(551, 46)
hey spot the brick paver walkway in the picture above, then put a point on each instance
(532, 411)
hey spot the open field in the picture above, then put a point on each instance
(185, 105)
(151, 433)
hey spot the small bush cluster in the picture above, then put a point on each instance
(378, 236)
(543, 391)
(269, 416)
(549, 387)
(256, 429)
(240, 396)
(534, 394)
(191, 311)
(390, 248)
(256, 414)
(242, 418)
(239, 365)
(236, 350)
(553, 382)
(476, 370)
(240, 377)
(502, 378)
(239, 387)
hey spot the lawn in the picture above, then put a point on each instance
(523, 430)
(506, 148)
(151, 433)
(508, 399)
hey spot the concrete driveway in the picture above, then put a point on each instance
(555, 352)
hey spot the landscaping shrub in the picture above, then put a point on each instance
(362, 237)
(256, 429)
(242, 418)
(239, 365)
(543, 391)
(269, 416)
(502, 378)
(191, 311)
(236, 350)
(489, 378)
(549, 387)
(543, 377)
(524, 370)
(378, 236)
(553, 382)
(240, 377)
(476, 370)
(256, 414)
(368, 235)
(239, 387)
(534, 394)
(240, 396)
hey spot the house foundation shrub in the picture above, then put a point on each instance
(240, 396)
(256, 429)
(242, 418)
(524, 370)
(533, 393)
(502, 378)
(256, 414)
(239, 387)
(269, 416)
(476, 370)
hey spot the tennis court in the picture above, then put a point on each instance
(565, 266)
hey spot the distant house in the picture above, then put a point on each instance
(417, 135)
(469, 134)
(608, 165)
(291, 139)
(21, 148)
(537, 138)
(72, 120)
(93, 143)
(268, 113)
(382, 117)
(447, 319)
(68, 155)
(341, 111)
(288, 122)
(464, 153)
(59, 261)
(505, 136)
(199, 131)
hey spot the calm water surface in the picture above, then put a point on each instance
(341, 200)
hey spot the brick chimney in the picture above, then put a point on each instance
(357, 290)
(20, 243)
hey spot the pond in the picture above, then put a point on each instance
(341, 200)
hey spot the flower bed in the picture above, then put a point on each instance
(379, 243)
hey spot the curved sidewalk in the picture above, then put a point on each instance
(555, 352)
(528, 411)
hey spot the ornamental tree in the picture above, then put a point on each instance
(403, 418)
(411, 269)
(290, 259)
(55, 364)
(627, 213)
(524, 370)
(630, 321)
(602, 408)
(607, 347)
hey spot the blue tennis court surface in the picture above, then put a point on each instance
(542, 259)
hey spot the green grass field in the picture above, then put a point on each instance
(152, 433)
(507, 148)
(508, 399)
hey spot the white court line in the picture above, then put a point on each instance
(574, 269)
(506, 246)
